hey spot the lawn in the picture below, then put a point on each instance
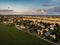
(11, 36)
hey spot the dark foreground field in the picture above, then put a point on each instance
(11, 36)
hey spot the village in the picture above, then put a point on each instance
(45, 27)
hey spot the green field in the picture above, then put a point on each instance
(11, 36)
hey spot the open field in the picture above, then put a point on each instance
(11, 36)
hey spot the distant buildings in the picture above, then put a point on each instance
(36, 19)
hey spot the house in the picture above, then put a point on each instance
(47, 34)
(40, 32)
(41, 25)
(51, 27)
(53, 36)
(5, 22)
(22, 27)
(46, 29)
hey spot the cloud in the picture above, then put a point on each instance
(56, 1)
(57, 9)
(46, 5)
(52, 11)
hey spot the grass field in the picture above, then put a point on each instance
(11, 36)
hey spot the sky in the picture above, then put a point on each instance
(50, 7)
